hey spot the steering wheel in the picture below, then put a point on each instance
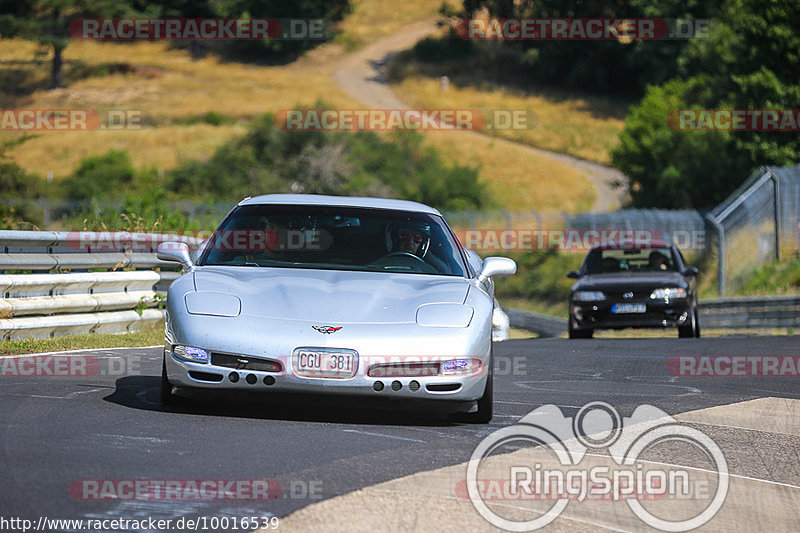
(406, 254)
(424, 266)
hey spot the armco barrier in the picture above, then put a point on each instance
(724, 313)
(771, 312)
(120, 298)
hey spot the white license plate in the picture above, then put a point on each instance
(628, 308)
(325, 363)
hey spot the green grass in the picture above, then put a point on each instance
(149, 336)
(583, 125)
(779, 277)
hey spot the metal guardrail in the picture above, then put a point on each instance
(723, 313)
(768, 312)
(83, 300)
(542, 325)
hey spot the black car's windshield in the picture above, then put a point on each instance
(334, 238)
(637, 260)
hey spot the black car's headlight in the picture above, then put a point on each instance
(190, 353)
(668, 293)
(589, 296)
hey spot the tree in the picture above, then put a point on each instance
(602, 66)
(47, 22)
(750, 61)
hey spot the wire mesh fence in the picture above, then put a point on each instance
(756, 224)
(759, 222)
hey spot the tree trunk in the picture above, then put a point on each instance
(58, 62)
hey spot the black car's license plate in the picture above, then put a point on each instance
(628, 308)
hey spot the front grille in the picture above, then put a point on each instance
(637, 296)
(403, 369)
(205, 376)
(245, 362)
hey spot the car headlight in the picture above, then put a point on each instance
(190, 353)
(589, 296)
(668, 293)
(445, 315)
(212, 304)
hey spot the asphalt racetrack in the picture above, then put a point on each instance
(60, 431)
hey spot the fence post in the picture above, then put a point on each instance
(720, 254)
(776, 207)
(538, 219)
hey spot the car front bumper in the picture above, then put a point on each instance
(197, 375)
(658, 314)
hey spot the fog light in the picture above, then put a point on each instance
(251, 379)
(461, 366)
(234, 377)
(190, 353)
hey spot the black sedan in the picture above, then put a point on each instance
(639, 286)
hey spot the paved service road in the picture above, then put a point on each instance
(59, 430)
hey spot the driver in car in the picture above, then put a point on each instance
(414, 239)
(411, 239)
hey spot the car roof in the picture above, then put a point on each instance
(626, 245)
(340, 201)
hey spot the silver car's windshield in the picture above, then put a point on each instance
(335, 238)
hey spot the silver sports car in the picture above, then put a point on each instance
(323, 294)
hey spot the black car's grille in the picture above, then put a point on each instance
(618, 296)
(245, 362)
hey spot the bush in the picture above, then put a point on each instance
(100, 177)
(541, 276)
(673, 168)
(750, 61)
(268, 159)
(19, 189)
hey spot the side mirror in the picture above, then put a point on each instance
(690, 271)
(573, 274)
(175, 251)
(497, 266)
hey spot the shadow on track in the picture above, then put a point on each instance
(142, 392)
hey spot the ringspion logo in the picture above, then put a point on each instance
(569, 470)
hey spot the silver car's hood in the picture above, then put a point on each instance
(330, 296)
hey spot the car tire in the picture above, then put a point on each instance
(168, 398)
(691, 330)
(579, 333)
(486, 402)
